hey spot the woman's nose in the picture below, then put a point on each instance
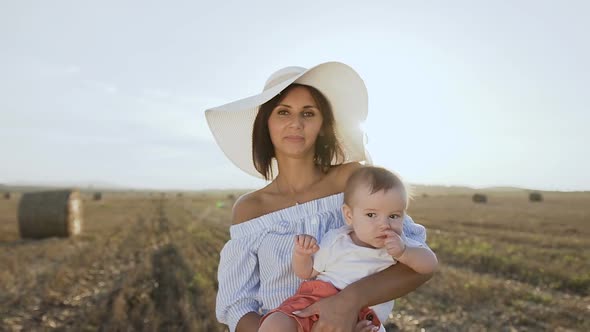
(296, 122)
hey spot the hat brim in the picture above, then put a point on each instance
(232, 124)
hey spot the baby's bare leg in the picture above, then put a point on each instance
(278, 321)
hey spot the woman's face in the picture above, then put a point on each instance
(295, 123)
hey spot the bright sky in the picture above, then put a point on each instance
(477, 93)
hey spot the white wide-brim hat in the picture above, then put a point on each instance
(232, 124)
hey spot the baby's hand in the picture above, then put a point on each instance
(395, 245)
(365, 326)
(306, 244)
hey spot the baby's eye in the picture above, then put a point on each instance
(395, 216)
(371, 214)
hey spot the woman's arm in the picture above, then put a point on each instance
(394, 282)
(239, 278)
(340, 312)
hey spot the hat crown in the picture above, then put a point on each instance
(282, 75)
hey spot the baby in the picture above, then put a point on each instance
(375, 203)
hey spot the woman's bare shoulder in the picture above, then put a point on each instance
(247, 207)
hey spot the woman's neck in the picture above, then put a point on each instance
(296, 176)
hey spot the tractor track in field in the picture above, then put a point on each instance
(134, 278)
(65, 286)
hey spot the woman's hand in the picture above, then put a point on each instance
(306, 245)
(336, 314)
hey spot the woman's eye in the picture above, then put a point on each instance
(308, 114)
(282, 112)
(370, 214)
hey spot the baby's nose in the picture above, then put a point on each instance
(384, 224)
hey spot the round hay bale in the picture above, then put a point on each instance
(480, 198)
(535, 197)
(50, 213)
(97, 196)
(6, 195)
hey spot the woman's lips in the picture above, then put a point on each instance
(294, 138)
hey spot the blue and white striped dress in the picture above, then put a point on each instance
(255, 273)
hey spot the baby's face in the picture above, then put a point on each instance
(370, 215)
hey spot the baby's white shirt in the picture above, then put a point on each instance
(341, 262)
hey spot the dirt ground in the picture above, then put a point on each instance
(147, 262)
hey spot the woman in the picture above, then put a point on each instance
(303, 133)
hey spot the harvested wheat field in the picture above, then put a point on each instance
(147, 262)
